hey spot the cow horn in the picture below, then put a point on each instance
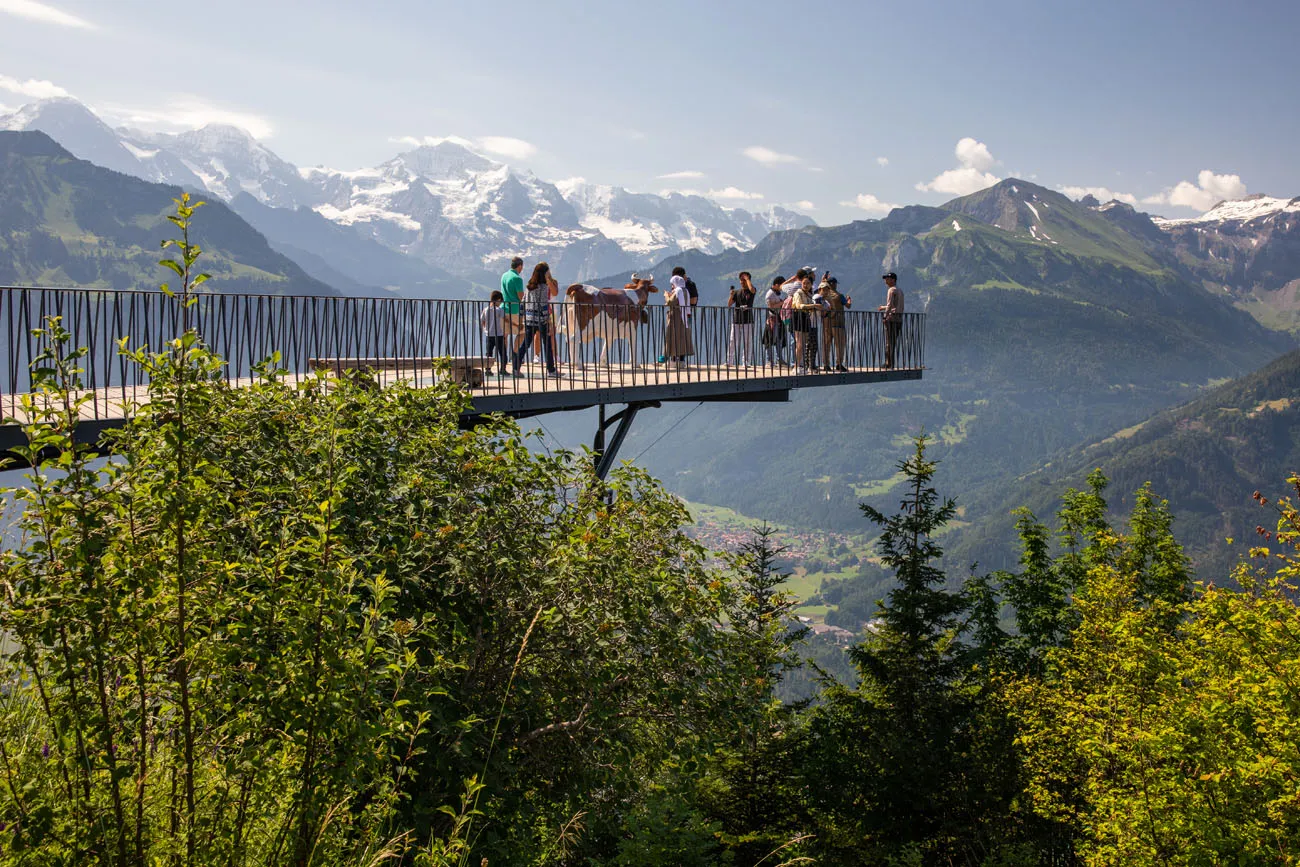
(650, 278)
(635, 277)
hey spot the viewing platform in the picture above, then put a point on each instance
(416, 340)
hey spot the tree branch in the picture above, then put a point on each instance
(555, 727)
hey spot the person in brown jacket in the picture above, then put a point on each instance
(893, 310)
(833, 324)
(801, 322)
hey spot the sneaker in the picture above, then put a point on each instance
(552, 373)
(841, 368)
(514, 374)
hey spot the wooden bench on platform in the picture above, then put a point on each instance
(465, 369)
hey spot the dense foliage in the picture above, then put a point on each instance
(300, 623)
(315, 622)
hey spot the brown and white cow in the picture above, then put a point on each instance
(608, 314)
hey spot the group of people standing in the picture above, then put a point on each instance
(523, 311)
(811, 317)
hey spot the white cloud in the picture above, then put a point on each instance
(1208, 191)
(187, 112)
(681, 176)
(31, 88)
(504, 146)
(768, 157)
(33, 11)
(882, 161)
(510, 148)
(974, 154)
(682, 192)
(869, 203)
(732, 194)
(804, 205)
(973, 174)
(1102, 194)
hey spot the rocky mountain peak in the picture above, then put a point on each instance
(219, 136)
(1013, 204)
(446, 160)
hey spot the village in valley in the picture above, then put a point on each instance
(809, 558)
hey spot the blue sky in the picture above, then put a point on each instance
(845, 107)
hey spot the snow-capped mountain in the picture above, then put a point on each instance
(77, 128)
(650, 227)
(464, 212)
(1249, 248)
(226, 161)
(444, 203)
(1238, 211)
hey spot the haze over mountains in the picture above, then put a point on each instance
(441, 202)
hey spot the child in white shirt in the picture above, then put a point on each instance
(492, 321)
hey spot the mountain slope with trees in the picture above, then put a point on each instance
(1206, 457)
(67, 222)
(1056, 327)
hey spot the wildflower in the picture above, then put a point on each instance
(45, 751)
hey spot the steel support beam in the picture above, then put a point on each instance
(607, 453)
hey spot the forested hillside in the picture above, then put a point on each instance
(67, 222)
(1206, 457)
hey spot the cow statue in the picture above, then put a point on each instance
(608, 314)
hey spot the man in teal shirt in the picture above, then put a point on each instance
(512, 289)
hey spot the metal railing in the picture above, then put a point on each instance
(399, 339)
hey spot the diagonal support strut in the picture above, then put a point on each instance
(607, 453)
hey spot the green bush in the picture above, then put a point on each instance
(313, 621)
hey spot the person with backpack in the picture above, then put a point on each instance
(774, 339)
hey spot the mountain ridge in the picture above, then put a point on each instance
(68, 222)
(1032, 347)
(454, 208)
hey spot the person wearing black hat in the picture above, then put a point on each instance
(893, 310)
